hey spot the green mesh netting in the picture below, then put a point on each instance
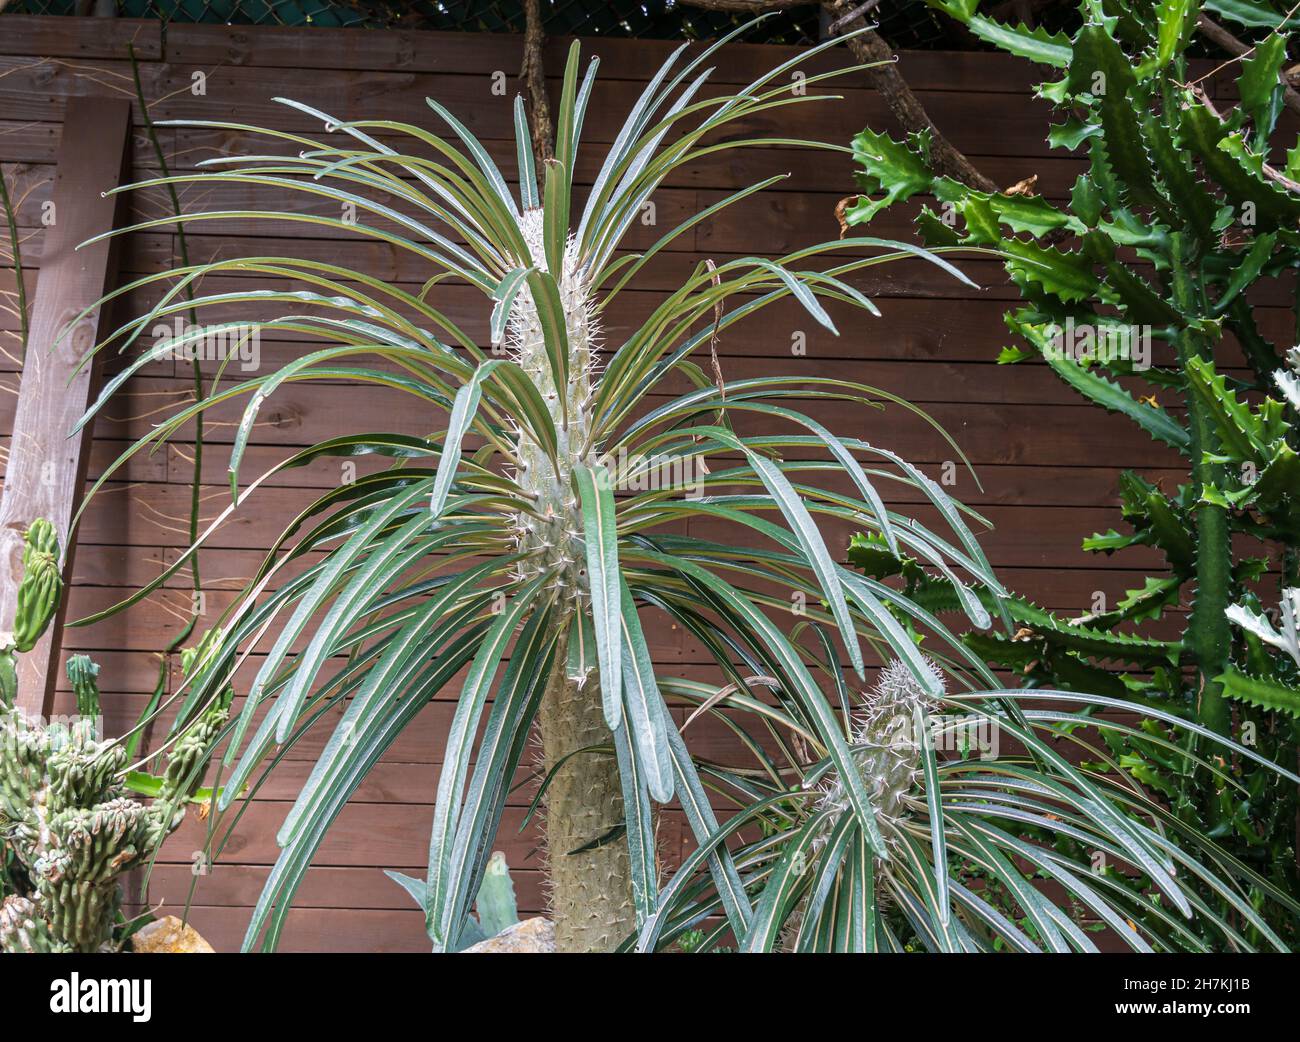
(905, 23)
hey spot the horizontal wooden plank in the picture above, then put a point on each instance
(1011, 484)
(31, 89)
(302, 414)
(482, 54)
(68, 37)
(786, 216)
(807, 170)
(236, 885)
(407, 770)
(372, 834)
(33, 143)
(341, 930)
(149, 520)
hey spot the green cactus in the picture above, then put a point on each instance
(1183, 185)
(38, 598)
(495, 904)
(496, 897)
(66, 818)
(68, 828)
(84, 677)
(23, 931)
(66, 821)
(8, 675)
(41, 586)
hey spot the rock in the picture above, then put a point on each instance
(531, 937)
(170, 936)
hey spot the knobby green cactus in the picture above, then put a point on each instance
(38, 597)
(42, 585)
(84, 677)
(65, 817)
(495, 906)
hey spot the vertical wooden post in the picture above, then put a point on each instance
(47, 469)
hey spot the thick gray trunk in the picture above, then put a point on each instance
(591, 892)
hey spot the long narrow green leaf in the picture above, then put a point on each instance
(819, 558)
(782, 886)
(600, 537)
(524, 149)
(934, 803)
(498, 755)
(455, 762)
(643, 704)
(828, 726)
(504, 295)
(357, 544)
(462, 415)
(640, 831)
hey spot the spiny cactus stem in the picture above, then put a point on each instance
(1209, 634)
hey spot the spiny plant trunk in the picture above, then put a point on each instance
(1209, 636)
(591, 892)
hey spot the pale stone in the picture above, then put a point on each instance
(169, 936)
(531, 937)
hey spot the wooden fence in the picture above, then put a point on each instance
(1047, 462)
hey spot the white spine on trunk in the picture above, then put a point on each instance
(553, 541)
(886, 748)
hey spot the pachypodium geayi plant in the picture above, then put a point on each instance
(514, 537)
(987, 803)
(69, 830)
(1147, 291)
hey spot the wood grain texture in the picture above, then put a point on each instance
(47, 468)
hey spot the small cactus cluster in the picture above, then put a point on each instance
(887, 749)
(552, 538)
(65, 819)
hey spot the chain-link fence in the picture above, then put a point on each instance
(905, 23)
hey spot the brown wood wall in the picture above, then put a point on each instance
(1047, 462)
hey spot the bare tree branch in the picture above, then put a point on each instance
(1217, 34)
(533, 73)
(861, 11)
(945, 159)
(871, 47)
(1271, 172)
